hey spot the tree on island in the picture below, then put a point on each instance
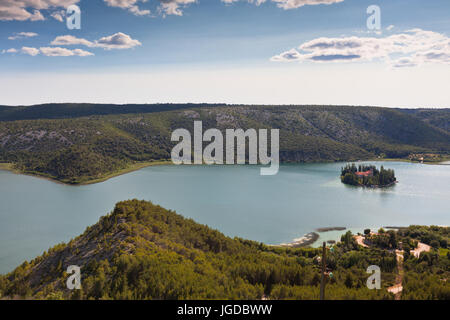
(367, 175)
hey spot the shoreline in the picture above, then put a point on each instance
(328, 229)
(436, 163)
(6, 166)
(140, 165)
(330, 235)
(373, 186)
(305, 241)
(131, 168)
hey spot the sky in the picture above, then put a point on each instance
(226, 51)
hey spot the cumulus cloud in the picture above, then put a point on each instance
(58, 15)
(30, 51)
(52, 52)
(412, 47)
(130, 5)
(175, 7)
(294, 4)
(116, 41)
(30, 9)
(22, 35)
(63, 52)
(70, 40)
(11, 50)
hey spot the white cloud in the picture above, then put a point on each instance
(30, 51)
(414, 47)
(130, 5)
(56, 52)
(116, 41)
(69, 40)
(290, 55)
(22, 35)
(390, 27)
(52, 52)
(175, 7)
(58, 15)
(82, 53)
(11, 50)
(294, 4)
(29, 9)
(63, 52)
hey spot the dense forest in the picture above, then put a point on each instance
(439, 118)
(82, 143)
(143, 251)
(367, 175)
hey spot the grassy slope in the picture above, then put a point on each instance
(80, 150)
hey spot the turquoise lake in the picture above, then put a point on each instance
(36, 214)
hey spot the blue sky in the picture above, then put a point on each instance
(236, 52)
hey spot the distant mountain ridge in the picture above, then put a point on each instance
(76, 110)
(76, 149)
(437, 117)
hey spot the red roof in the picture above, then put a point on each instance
(365, 173)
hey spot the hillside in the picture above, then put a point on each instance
(76, 110)
(439, 118)
(142, 251)
(81, 149)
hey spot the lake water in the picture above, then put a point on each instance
(36, 214)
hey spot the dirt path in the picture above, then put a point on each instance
(398, 288)
(360, 241)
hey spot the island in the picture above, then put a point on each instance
(367, 176)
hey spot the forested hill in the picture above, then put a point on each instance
(437, 117)
(78, 149)
(143, 251)
(75, 110)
